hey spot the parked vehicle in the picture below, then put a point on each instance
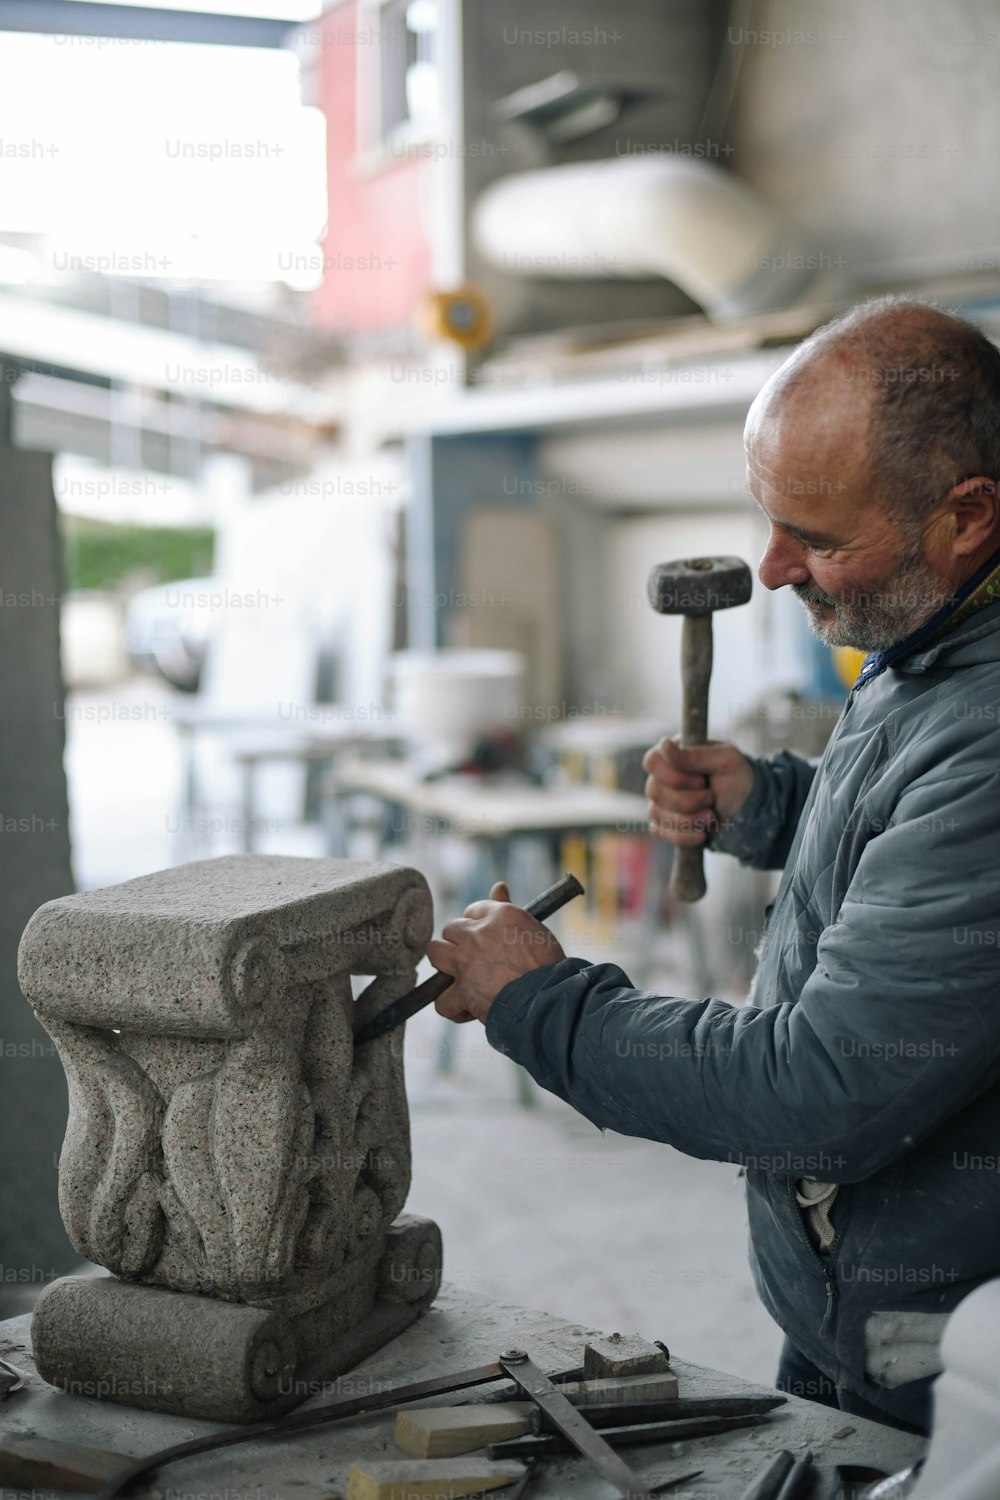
(168, 630)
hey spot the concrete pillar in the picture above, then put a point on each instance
(34, 860)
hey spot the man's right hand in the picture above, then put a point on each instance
(692, 792)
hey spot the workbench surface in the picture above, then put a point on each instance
(462, 1330)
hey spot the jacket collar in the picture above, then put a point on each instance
(979, 592)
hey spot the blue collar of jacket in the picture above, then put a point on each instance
(980, 591)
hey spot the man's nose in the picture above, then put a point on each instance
(783, 561)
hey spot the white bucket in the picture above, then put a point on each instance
(446, 700)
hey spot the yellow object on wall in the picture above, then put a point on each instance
(847, 662)
(463, 317)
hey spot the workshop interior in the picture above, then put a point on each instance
(373, 498)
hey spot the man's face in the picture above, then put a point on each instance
(863, 581)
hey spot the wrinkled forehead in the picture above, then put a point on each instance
(812, 418)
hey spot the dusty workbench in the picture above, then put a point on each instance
(462, 1330)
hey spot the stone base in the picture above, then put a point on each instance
(198, 1356)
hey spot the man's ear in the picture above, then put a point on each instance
(974, 506)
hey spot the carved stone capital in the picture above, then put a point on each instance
(225, 1138)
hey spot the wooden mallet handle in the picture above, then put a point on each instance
(687, 881)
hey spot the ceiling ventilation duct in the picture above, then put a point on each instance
(637, 217)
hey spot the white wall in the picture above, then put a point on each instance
(700, 461)
(631, 499)
(751, 646)
(879, 135)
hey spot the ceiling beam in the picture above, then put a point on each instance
(137, 23)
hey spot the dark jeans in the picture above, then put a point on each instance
(798, 1376)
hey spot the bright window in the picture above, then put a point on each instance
(159, 159)
(398, 90)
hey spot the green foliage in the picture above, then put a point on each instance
(103, 555)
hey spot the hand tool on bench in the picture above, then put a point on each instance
(29, 1462)
(444, 1431)
(769, 1481)
(441, 1479)
(671, 1484)
(319, 1416)
(624, 1437)
(785, 1478)
(797, 1479)
(677, 1408)
(11, 1379)
(426, 993)
(521, 1488)
(452, 1478)
(695, 587)
(526, 1374)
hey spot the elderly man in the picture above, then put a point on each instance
(860, 1089)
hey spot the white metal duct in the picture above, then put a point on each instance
(638, 217)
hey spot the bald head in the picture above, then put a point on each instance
(913, 392)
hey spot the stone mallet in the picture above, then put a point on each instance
(695, 587)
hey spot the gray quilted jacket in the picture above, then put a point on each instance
(870, 1056)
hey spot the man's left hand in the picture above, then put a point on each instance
(492, 944)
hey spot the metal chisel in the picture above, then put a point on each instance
(624, 1437)
(426, 993)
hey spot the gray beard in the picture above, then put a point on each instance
(880, 619)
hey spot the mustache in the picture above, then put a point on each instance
(808, 594)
